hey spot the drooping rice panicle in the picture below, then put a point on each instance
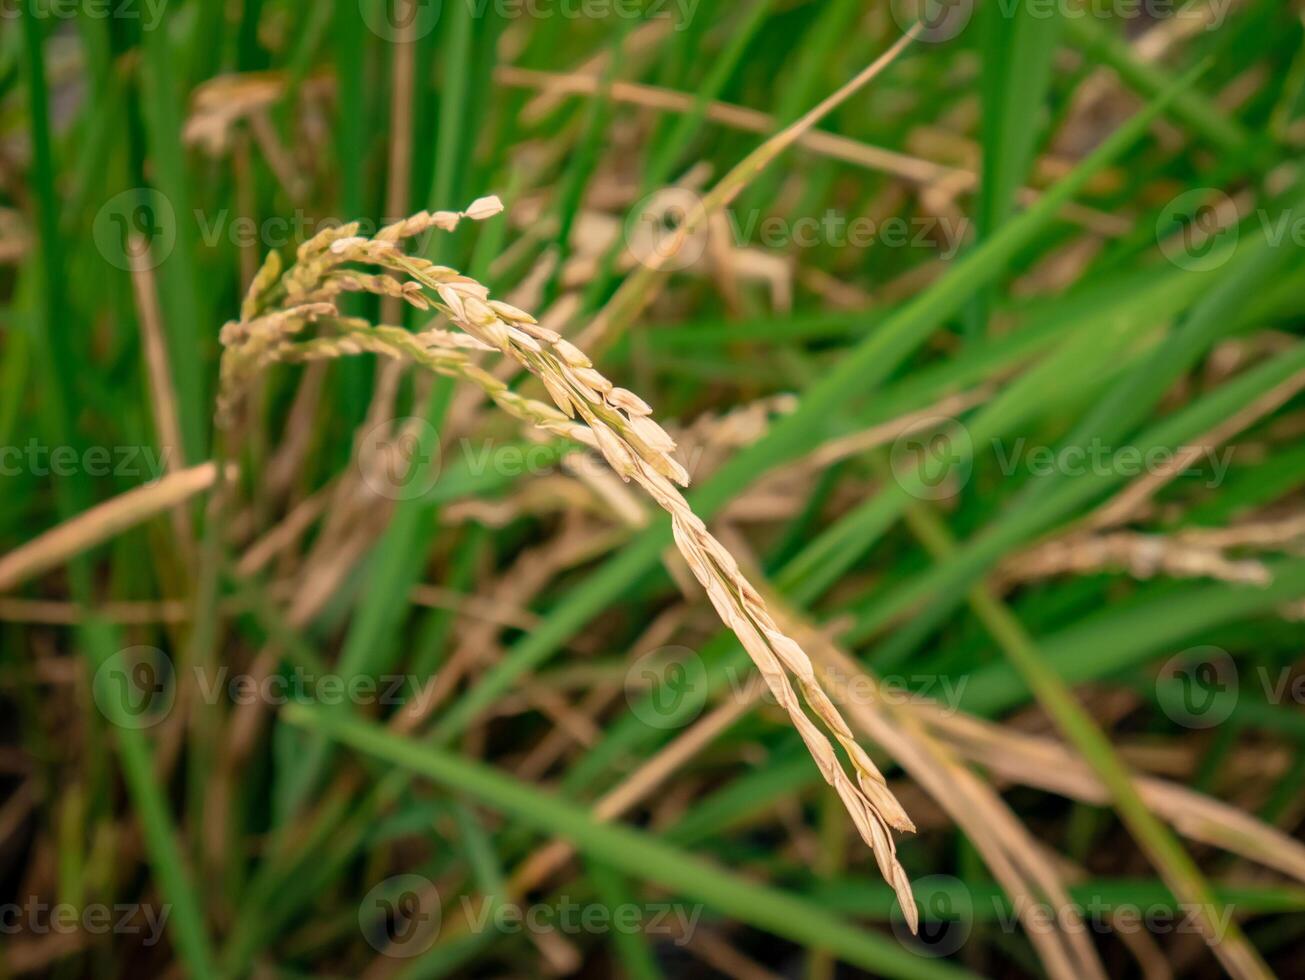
(587, 409)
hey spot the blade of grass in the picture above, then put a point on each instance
(190, 328)
(833, 23)
(1017, 50)
(687, 126)
(628, 850)
(989, 903)
(631, 947)
(1053, 694)
(348, 44)
(150, 804)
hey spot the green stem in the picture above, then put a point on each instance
(1162, 847)
(629, 851)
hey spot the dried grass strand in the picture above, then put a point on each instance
(102, 522)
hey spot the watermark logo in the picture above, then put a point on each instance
(401, 20)
(136, 687)
(655, 230)
(136, 227)
(401, 916)
(667, 687)
(1198, 229)
(939, 20)
(946, 910)
(934, 460)
(1198, 688)
(400, 458)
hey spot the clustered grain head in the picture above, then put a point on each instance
(587, 408)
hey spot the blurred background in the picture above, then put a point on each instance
(988, 371)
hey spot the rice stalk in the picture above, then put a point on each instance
(587, 409)
(96, 525)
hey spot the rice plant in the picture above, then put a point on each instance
(829, 505)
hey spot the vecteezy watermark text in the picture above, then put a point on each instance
(1099, 459)
(402, 915)
(574, 918)
(949, 910)
(412, 20)
(300, 685)
(667, 230)
(681, 11)
(137, 687)
(935, 459)
(35, 917)
(938, 234)
(942, 20)
(37, 459)
(148, 12)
